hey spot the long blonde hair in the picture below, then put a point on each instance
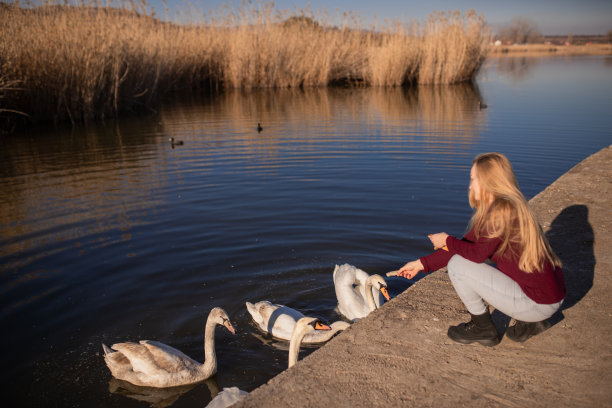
(502, 212)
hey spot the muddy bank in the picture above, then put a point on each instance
(400, 355)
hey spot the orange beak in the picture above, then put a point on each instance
(385, 293)
(321, 326)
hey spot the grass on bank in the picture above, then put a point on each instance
(81, 62)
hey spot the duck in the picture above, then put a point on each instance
(259, 128)
(154, 364)
(482, 105)
(357, 292)
(280, 320)
(175, 142)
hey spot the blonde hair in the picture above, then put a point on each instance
(503, 212)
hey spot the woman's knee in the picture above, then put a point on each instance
(456, 267)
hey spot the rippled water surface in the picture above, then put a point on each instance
(111, 234)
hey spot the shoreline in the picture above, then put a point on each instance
(400, 355)
(539, 50)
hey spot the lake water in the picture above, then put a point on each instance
(110, 234)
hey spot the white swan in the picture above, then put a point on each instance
(280, 320)
(155, 364)
(358, 293)
(302, 328)
(227, 397)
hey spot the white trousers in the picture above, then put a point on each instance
(479, 283)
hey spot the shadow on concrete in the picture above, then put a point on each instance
(571, 237)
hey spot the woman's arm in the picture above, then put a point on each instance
(476, 250)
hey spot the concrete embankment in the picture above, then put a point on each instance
(400, 356)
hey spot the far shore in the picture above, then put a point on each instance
(543, 49)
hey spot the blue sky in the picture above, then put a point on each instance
(552, 17)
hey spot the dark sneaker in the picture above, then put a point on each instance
(521, 331)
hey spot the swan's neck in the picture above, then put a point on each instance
(295, 343)
(369, 295)
(335, 328)
(210, 356)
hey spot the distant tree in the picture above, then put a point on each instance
(520, 31)
(301, 21)
(609, 36)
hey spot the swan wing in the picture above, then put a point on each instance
(261, 312)
(141, 363)
(167, 358)
(360, 285)
(278, 320)
(349, 284)
(116, 361)
(344, 273)
(151, 359)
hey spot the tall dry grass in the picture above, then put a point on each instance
(80, 62)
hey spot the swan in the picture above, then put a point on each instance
(155, 364)
(227, 397)
(280, 320)
(355, 291)
(302, 328)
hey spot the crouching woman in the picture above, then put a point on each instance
(525, 282)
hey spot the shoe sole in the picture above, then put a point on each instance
(484, 342)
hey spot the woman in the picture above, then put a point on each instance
(527, 281)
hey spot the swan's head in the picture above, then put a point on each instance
(310, 324)
(220, 317)
(379, 283)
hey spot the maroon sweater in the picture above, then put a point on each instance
(546, 286)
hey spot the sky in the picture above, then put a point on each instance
(551, 17)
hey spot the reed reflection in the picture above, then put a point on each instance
(436, 112)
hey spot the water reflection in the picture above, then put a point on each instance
(449, 112)
(157, 397)
(85, 191)
(517, 68)
(75, 191)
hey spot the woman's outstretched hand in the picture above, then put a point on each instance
(411, 269)
(438, 240)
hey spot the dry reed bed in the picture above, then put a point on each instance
(80, 62)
